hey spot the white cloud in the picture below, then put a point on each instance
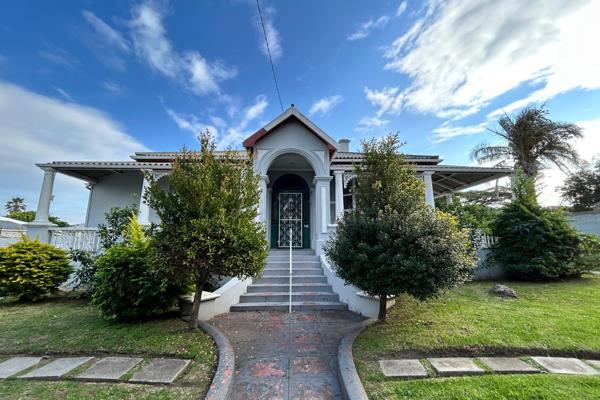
(113, 87)
(446, 131)
(64, 94)
(190, 69)
(459, 55)
(273, 36)
(37, 128)
(106, 32)
(366, 28)
(388, 100)
(588, 148)
(227, 135)
(401, 8)
(367, 124)
(325, 105)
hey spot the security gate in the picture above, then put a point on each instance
(290, 216)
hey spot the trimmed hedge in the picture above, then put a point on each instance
(30, 269)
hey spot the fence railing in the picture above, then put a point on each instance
(12, 233)
(483, 241)
(86, 239)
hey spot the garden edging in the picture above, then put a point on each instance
(221, 384)
(352, 388)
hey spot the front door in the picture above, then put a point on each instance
(290, 218)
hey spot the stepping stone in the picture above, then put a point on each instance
(17, 364)
(560, 365)
(453, 366)
(508, 365)
(402, 368)
(110, 368)
(57, 368)
(160, 370)
(595, 363)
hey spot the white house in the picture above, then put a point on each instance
(304, 177)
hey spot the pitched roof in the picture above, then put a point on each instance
(291, 112)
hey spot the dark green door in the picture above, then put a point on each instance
(290, 209)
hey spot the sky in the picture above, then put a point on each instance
(99, 80)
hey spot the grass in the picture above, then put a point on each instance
(558, 318)
(492, 387)
(17, 390)
(65, 325)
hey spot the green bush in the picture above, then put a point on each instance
(537, 243)
(126, 284)
(30, 269)
(590, 252)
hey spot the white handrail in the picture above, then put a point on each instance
(290, 305)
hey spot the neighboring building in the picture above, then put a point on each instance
(305, 177)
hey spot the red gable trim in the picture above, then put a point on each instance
(251, 140)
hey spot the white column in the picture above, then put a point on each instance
(144, 209)
(429, 198)
(322, 210)
(43, 208)
(339, 193)
(263, 201)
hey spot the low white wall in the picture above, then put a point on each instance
(586, 222)
(356, 300)
(229, 294)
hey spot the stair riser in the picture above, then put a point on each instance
(295, 259)
(285, 288)
(285, 297)
(303, 264)
(295, 252)
(303, 307)
(304, 271)
(297, 279)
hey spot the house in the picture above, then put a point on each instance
(304, 179)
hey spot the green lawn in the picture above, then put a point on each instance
(559, 318)
(68, 326)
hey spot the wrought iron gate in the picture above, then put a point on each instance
(290, 216)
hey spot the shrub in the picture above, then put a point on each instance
(117, 220)
(589, 258)
(537, 243)
(126, 285)
(84, 275)
(30, 269)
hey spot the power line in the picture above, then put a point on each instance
(262, 23)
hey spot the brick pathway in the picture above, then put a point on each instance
(283, 356)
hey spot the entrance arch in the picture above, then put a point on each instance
(290, 208)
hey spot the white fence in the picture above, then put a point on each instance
(10, 236)
(86, 239)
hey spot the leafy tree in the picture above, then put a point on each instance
(474, 216)
(117, 219)
(582, 188)
(29, 216)
(394, 242)
(126, 283)
(532, 141)
(16, 204)
(536, 243)
(208, 218)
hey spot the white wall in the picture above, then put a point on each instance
(114, 190)
(586, 222)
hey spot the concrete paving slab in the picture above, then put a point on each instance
(57, 368)
(15, 365)
(402, 368)
(508, 365)
(560, 365)
(160, 370)
(595, 363)
(454, 366)
(110, 368)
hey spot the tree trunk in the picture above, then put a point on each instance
(196, 304)
(382, 308)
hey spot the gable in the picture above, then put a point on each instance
(287, 122)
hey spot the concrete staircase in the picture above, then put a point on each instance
(310, 290)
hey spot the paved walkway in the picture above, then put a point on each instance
(155, 370)
(286, 356)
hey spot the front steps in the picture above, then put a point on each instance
(310, 290)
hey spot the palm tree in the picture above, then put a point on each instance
(14, 205)
(532, 142)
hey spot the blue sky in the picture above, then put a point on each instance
(102, 79)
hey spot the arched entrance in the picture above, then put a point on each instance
(290, 209)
